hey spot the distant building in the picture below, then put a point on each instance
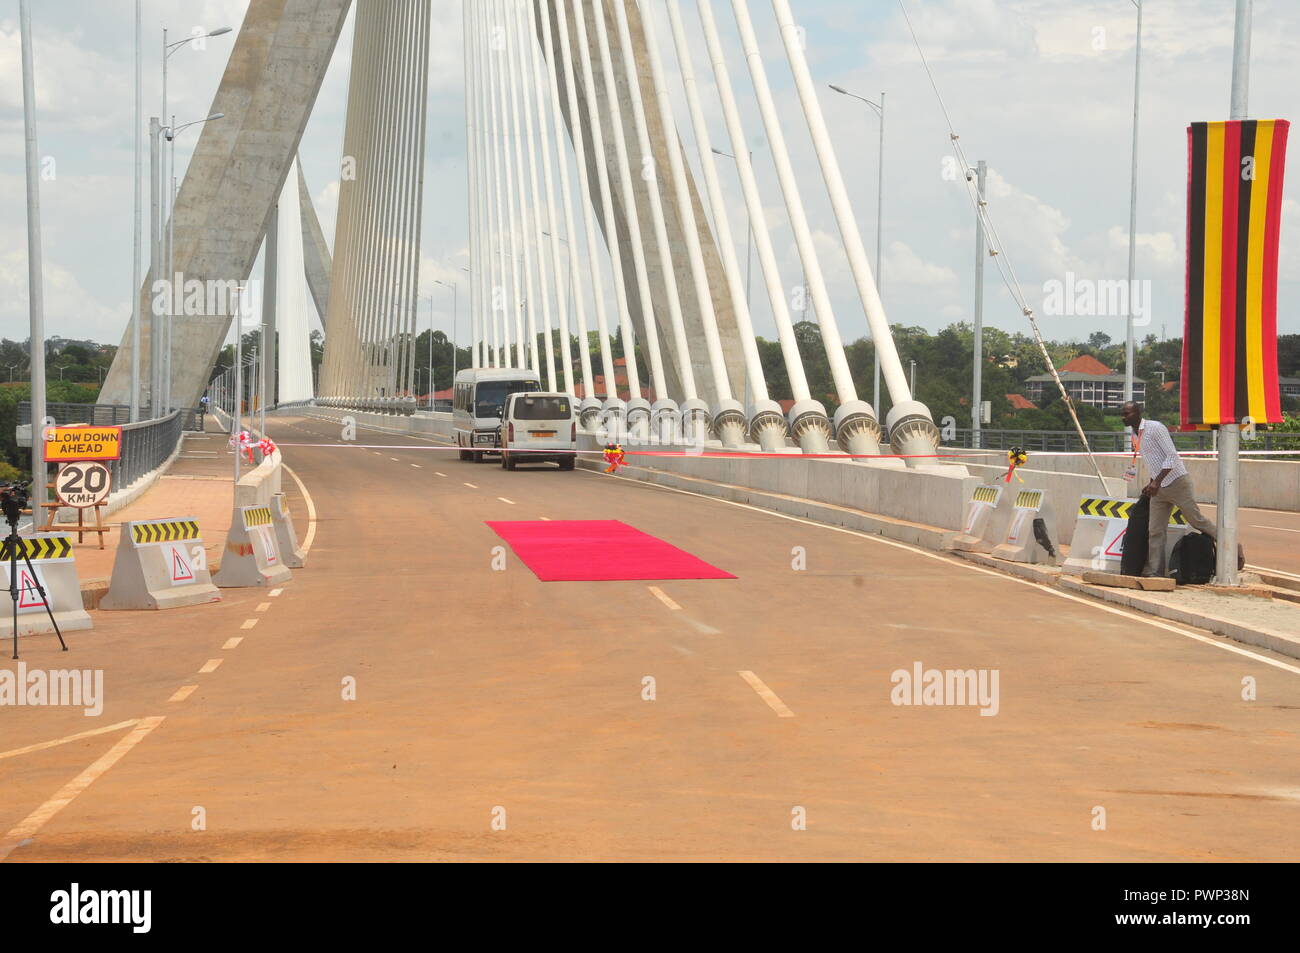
(1021, 402)
(1290, 387)
(1089, 382)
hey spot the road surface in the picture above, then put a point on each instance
(486, 698)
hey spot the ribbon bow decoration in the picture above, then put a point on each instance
(1016, 457)
(615, 457)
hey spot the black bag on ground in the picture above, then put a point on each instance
(1192, 561)
(1133, 555)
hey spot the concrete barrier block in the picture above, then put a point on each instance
(285, 536)
(160, 564)
(55, 570)
(252, 555)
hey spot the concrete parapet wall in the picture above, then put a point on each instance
(1265, 484)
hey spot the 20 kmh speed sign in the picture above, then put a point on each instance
(82, 484)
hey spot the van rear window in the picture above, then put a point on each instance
(542, 408)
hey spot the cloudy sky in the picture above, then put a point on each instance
(1040, 89)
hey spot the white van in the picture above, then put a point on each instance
(478, 400)
(539, 428)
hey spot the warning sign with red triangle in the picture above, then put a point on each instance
(1116, 547)
(29, 597)
(181, 571)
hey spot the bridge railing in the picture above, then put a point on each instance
(101, 415)
(1067, 441)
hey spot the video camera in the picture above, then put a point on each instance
(14, 498)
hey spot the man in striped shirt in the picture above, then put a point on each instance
(1170, 485)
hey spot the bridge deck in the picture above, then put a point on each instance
(478, 688)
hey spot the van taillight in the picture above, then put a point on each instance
(573, 434)
(512, 430)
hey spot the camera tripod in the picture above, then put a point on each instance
(12, 545)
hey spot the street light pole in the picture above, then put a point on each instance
(977, 350)
(135, 231)
(1230, 434)
(35, 288)
(1132, 210)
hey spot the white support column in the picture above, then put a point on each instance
(510, 244)
(855, 420)
(808, 422)
(614, 410)
(638, 409)
(730, 415)
(767, 423)
(536, 96)
(526, 348)
(666, 413)
(528, 90)
(590, 406)
(903, 406)
(552, 139)
(471, 184)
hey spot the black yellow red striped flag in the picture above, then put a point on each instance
(1234, 211)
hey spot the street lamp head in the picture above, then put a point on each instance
(215, 116)
(838, 89)
(219, 31)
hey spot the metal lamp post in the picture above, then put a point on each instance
(455, 306)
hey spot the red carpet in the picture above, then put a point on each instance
(573, 550)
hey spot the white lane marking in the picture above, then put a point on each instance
(1103, 607)
(210, 666)
(262, 607)
(546, 518)
(767, 695)
(41, 746)
(436, 473)
(311, 513)
(248, 623)
(663, 597)
(417, 466)
(34, 821)
(395, 460)
(275, 592)
(1279, 529)
(504, 500)
(182, 693)
(1275, 572)
(233, 642)
(471, 486)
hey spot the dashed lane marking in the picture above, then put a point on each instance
(248, 623)
(504, 500)
(210, 666)
(663, 597)
(233, 642)
(262, 607)
(417, 466)
(767, 695)
(436, 473)
(34, 821)
(275, 592)
(41, 746)
(471, 486)
(182, 693)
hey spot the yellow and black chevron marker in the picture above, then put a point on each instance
(257, 516)
(164, 531)
(54, 547)
(1120, 510)
(1109, 509)
(986, 494)
(1029, 499)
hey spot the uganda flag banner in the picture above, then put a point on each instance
(1234, 210)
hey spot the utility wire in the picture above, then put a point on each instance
(996, 250)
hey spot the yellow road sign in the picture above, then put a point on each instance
(83, 443)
